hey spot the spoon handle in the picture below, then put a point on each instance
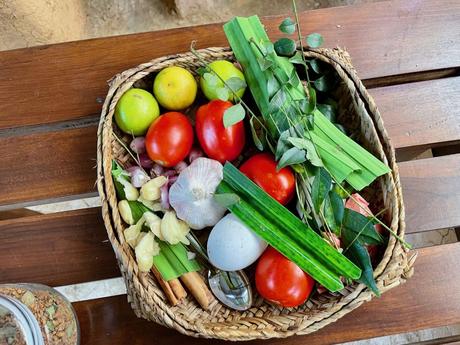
(196, 244)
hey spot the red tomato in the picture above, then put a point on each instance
(261, 168)
(169, 139)
(362, 206)
(281, 281)
(219, 143)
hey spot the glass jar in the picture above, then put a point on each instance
(36, 314)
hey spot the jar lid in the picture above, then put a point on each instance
(18, 323)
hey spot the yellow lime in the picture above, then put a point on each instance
(175, 88)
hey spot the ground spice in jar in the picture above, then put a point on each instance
(10, 330)
(53, 312)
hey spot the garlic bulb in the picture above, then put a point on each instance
(191, 195)
(174, 230)
(145, 250)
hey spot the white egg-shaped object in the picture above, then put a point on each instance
(232, 245)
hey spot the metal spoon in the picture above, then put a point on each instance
(231, 288)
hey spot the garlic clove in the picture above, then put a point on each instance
(125, 212)
(151, 190)
(154, 223)
(174, 230)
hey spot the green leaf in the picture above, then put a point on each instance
(294, 79)
(285, 46)
(297, 59)
(308, 146)
(290, 157)
(287, 26)
(278, 100)
(201, 71)
(337, 205)
(266, 47)
(227, 199)
(235, 84)
(272, 85)
(329, 216)
(327, 110)
(223, 93)
(359, 228)
(255, 136)
(326, 82)
(359, 255)
(315, 40)
(264, 63)
(233, 115)
(320, 188)
(282, 145)
(211, 79)
(315, 65)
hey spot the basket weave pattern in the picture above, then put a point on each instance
(358, 112)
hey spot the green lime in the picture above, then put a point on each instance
(135, 111)
(225, 70)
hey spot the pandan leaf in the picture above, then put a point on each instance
(320, 188)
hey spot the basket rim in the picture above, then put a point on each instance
(395, 257)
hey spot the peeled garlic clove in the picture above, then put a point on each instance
(154, 223)
(132, 233)
(174, 230)
(145, 250)
(151, 190)
(125, 212)
(131, 193)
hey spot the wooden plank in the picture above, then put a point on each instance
(56, 249)
(48, 165)
(422, 113)
(431, 193)
(431, 298)
(68, 81)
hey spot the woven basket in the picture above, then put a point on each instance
(358, 113)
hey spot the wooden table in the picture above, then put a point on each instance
(408, 54)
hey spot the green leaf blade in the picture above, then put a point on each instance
(315, 40)
(321, 186)
(290, 157)
(233, 115)
(287, 26)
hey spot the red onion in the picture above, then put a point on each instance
(164, 196)
(194, 154)
(145, 161)
(138, 145)
(172, 179)
(180, 166)
(157, 170)
(138, 176)
(169, 173)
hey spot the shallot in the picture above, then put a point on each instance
(145, 161)
(138, 176)
(138, 145)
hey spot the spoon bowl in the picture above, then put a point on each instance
(231, 288)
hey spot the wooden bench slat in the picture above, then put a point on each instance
(63, 82)
(421, 114)
(431, 298)
(56, 164)
(431, 192)
(430, 197)
(48, 165)
(56, 249)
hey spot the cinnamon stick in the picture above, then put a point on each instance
(196, 285)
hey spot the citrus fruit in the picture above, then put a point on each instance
(175, 88)
(135, 111)
(225, 70)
